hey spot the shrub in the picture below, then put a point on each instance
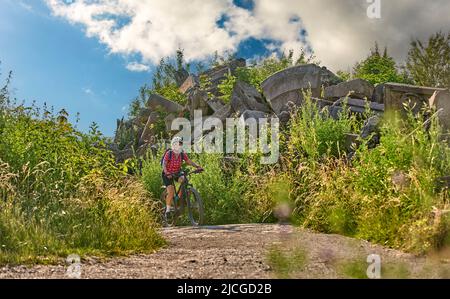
(62, 193)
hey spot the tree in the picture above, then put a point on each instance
(138, 102)
(429, 65)
(377, 68)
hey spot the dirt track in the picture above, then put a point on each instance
(241, 251)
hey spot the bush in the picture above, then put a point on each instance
(62, 193)
(387, 195)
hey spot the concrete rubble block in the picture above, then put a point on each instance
(190, 83)
(376, 107)
(396, 95)
(199, 101)
(156, 102)
(246, 97)
(248, 114)
(216, 104)
(168, 121)
(287, 85)
(321, 103)
(441, 101)
(224, 113)
(357, 88)
(218, 74)
(378, 94)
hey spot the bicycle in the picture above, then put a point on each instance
(190, 198)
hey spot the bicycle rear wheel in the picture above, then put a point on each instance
(195, 207)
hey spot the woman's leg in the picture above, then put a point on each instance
(170, 194)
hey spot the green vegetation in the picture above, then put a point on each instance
(61, 192)
(386, 195)
(377, 68)
(429, 65)
(362, 199)
(257, 72)
(286, 264)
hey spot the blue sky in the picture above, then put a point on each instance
(54, 62)
(91, 56)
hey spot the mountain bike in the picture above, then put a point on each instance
(190, 200)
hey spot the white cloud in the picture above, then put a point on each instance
(339, 32)
(137, 67)
(26, 6)
(87, 91)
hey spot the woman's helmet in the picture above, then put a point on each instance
(177, 144)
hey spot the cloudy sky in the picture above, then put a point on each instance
(91, 56)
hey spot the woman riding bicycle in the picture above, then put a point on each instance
(172, 162)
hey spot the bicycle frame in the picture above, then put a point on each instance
(183, 188)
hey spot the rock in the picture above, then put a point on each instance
(321, 103)
(357, 88)
(148, 133)
(376, 107)
(287, 85)
(223, 113)
(168, 121)
(247, 114)
(218, 74)
(156, 102)
(351, 141)
(372, 126)
(181, 76)
(189, 84)
(284, 117)
(216, 104)
(246, 97)
(199, 101)
(378, 94)
(441, 101)
(396, 95)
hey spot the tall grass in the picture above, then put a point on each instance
(61, 192)
(386, 195)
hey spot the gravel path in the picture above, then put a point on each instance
(242, 251)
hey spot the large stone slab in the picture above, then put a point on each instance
(396, 95)
(216, 104)
(198, 100)
(223, 113)
(441, 101)
(246, 97)
(287, 85)
(190, 83)
(252, 114)
(156, 102)
(361, 103)
(218, 74)
(357, 88)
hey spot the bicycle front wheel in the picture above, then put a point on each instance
(195, 207)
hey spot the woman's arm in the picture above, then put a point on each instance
(192, 163)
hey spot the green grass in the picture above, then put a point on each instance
(286, 263)
(61, 192)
